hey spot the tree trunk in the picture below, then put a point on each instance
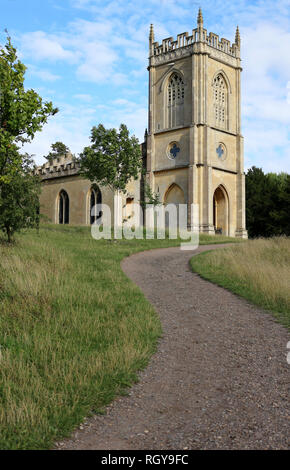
(9, 234)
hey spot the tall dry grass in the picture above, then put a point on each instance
(73, 331)
(258, 269)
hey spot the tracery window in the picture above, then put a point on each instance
(175, 101)
(220, 101)
(63, 208)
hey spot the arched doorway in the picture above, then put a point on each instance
(174, 195)
(63, 208)
(220, 211)
(95, 204)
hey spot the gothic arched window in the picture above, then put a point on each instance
(63, 208)
(175, 101)
(95, 204)
(220, 98)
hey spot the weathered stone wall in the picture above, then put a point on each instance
(78, 190)
(62, 175)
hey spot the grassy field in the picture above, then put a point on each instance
(258, 270)
(73, 331)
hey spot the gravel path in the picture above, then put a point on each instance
(219, 380)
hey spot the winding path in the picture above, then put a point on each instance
(219, 380)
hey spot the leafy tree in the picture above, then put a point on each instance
(281, 213)
(279, 179)
(113, 159)
(150, 197)
(285, 207)
(256, 206)
(267, 203)
(22, 113)
(58, 149)
(19, 200)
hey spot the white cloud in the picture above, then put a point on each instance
(136, 120)
(97, 64)
(83, 97)
(265, 109)
(42, 46)
(92, 29)
(43, 74)
(269, 144)
(120, 102)
(80, 3)
(71, 126)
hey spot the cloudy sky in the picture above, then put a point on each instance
(90, 56)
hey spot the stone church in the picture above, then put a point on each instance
(193, 150)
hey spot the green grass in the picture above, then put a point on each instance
(74, 330)
(258, 270)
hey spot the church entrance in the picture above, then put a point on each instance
(174, 195)
(220, 211)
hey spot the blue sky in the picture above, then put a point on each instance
(89, 57)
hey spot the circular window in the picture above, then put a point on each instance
(173, 150)
(221, 151)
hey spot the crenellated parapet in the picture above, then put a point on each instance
(62, 166)
(186, 44)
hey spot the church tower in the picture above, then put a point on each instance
(194, 142)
